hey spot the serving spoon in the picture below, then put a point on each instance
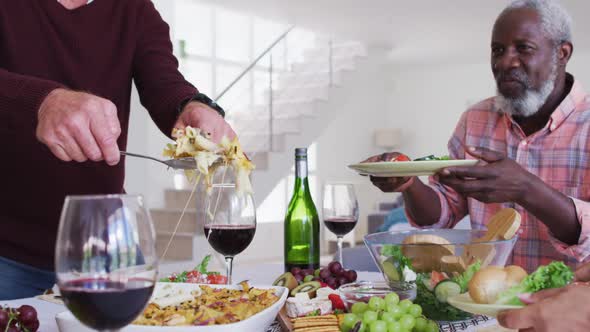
(181, 163)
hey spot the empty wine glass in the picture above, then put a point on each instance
(230, 221)
(106, 259)
(340, 211)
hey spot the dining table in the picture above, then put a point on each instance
(258, 275)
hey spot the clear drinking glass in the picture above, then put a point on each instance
(230, 221)
(340, 211)
(105, 259)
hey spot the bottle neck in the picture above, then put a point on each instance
(301, 168)
(301, 184)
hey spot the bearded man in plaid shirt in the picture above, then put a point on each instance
(532, 140)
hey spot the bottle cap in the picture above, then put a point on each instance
(301, 152)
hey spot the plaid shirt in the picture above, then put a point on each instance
(559, 154)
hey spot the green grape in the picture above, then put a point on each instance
(378, 326)
(369, 317)
(415, 310)
(392, 298)
(405, 305)
(316, 273)
(432, 326)
(395, 310)
(408, 322)
(359, 308)
(348, 322)
(421, 324)
(395, 327)
(388, 317)
(363, 328)
(376, 303)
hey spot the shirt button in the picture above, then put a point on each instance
(523, 143)
(552, 127)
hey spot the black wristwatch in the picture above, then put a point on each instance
(203, 99)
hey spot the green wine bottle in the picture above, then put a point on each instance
(302, 225)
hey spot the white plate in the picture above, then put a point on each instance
(465, 303)
(66, 322)
(408, 168)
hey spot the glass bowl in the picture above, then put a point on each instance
(420, 259)
(362, 291)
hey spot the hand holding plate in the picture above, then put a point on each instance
(389, 184)
(498, 180)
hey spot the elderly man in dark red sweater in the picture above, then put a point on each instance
(66, 71)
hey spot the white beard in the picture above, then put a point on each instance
(532, 100)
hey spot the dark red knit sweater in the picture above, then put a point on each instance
(99, 48)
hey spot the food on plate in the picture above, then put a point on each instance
(21, 319)
(174, 305)
(487, 283)
(199, 275)
(401, 157)
(333, 275)
(434, 288)
(433, 157)
(386, 314)
(286, 280)
(308, 288)
(193, 143)
(326, 323)
(553, 275)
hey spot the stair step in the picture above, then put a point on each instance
(262, 125)
(309, 79)
(165, 220)
(262, 143)
(323, 66)
(338, 50)
(281, 110)
(176, 199)
(180, 249)
(300, 92)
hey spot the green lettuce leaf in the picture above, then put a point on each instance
(554, 275)
(463, 279)
(394, 251)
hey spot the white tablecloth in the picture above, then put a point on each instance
(263, 274)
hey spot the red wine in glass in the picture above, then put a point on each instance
(340, 226)
(230, 240)
(104, 304)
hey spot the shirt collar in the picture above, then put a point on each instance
(569, 104)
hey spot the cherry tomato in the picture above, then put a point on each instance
(436, 277)
(401, 157)
(217, 279)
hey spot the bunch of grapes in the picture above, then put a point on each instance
(387, 314)
(334, 275)
(23, 319)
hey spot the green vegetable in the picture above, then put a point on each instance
(433, 308)
(554, 275)
(463, 279)
(394, 251)
(433, 157)
(446, 289)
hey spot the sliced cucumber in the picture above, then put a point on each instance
(391, 270)
(446, 289)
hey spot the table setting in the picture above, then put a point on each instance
(110, 277)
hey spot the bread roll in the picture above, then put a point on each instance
(489, 282)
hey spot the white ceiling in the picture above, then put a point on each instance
(415, 31)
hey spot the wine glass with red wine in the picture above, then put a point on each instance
(230, 221)
(105, 259)
(340, 211)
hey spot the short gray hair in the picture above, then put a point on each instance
(556, 21)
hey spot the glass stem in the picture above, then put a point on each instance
(228, 263)
(340, 239)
